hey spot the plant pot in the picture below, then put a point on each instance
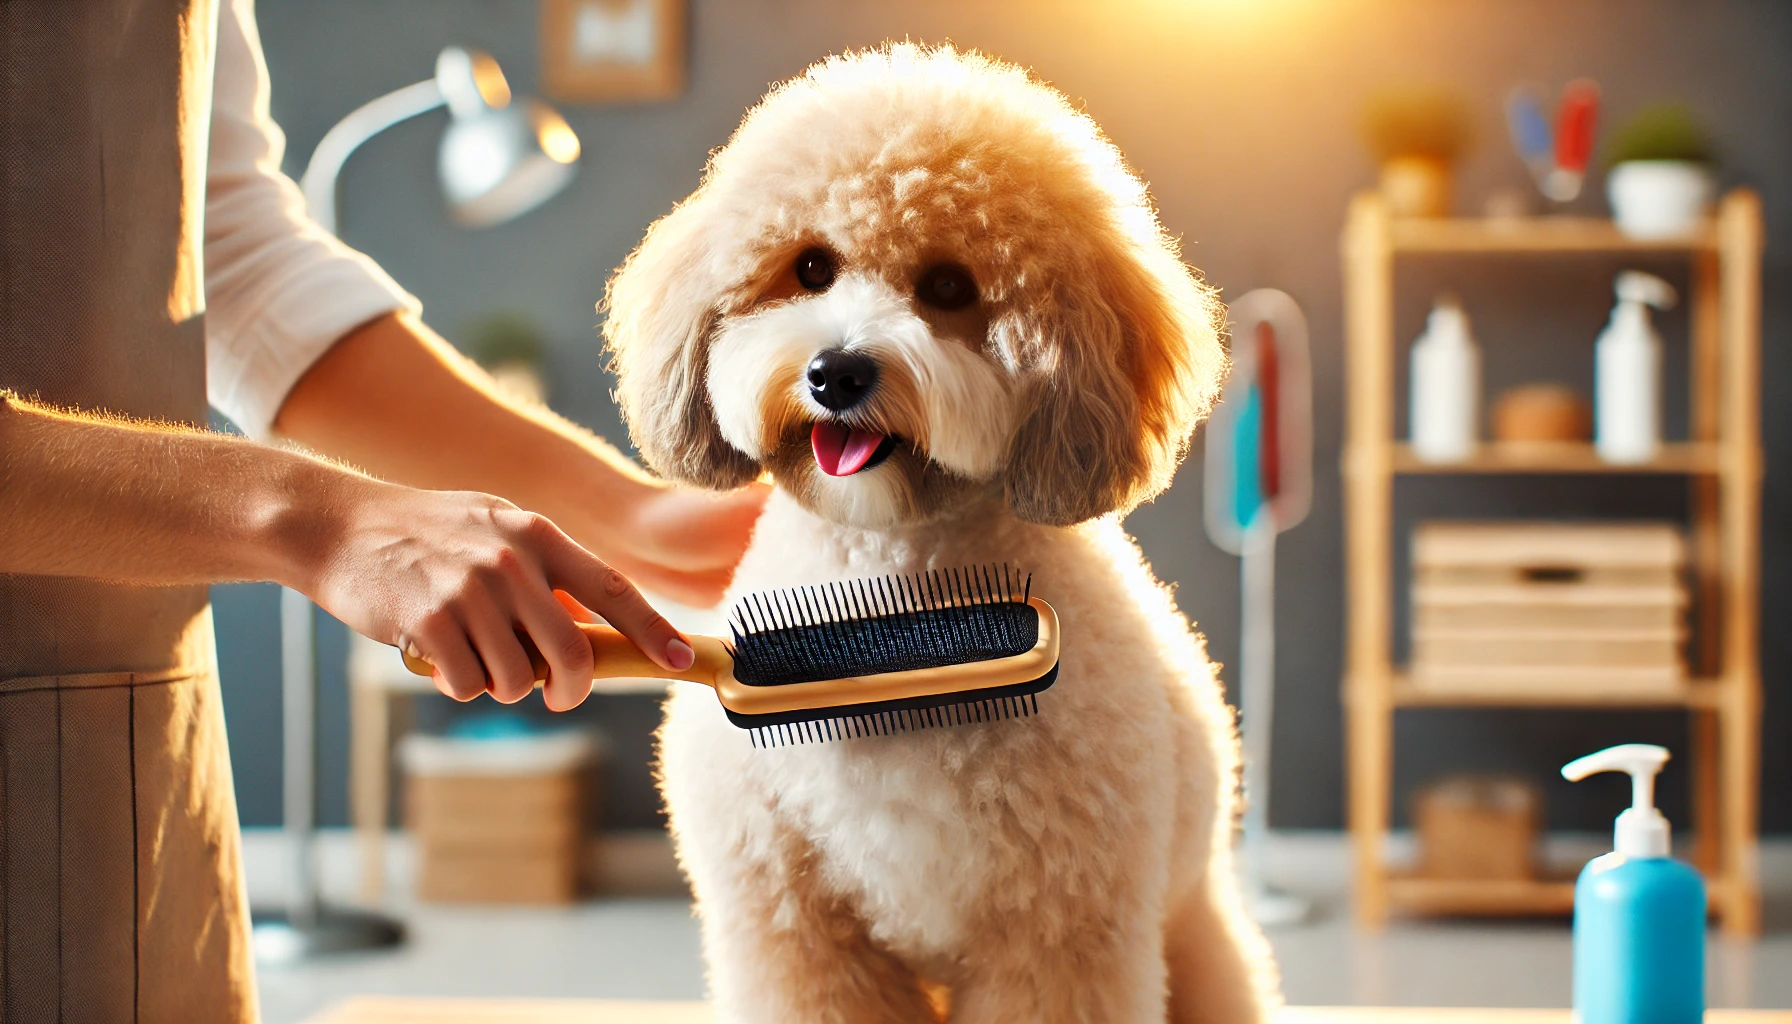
(1416, 186)
(1659, 198)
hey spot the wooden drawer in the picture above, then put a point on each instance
(1585, 545)
(1587, 647)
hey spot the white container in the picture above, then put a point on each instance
(1659, 198)
(1446, 386)
(1627, 372)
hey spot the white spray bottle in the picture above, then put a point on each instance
(1446, 386)
(1627, 372)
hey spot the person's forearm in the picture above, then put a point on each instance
(450, 576)
(153, 504)
(395, 399)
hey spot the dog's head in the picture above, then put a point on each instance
(914, 276)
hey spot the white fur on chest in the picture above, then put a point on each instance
(894, 831)
(912, 830)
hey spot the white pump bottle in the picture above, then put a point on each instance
(1627, 372)
(1641, 831)
(1446, 386)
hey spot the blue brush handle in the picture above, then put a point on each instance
(1530, 129)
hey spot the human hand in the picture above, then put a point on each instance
(680, 542)
(456, 576)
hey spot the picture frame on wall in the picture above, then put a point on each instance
(602, 51)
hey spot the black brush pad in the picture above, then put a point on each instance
(903, 641)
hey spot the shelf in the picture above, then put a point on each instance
(1532, 897)
(1692, 458)
(1534, 235)
(1482, 897)
(1724, 295)
(1582, 690)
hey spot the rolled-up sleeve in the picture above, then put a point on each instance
(279, 289)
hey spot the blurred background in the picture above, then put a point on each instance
(1246, 117)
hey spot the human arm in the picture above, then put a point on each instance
(398, 400)
(309, 339)
(450, 574)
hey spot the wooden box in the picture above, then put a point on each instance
(499, 821)
(1529, 602)
(1477, 828)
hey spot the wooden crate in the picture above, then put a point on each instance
(1477, 828)
(1499, 597)
(498, 821)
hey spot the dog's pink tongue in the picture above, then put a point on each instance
(841, 450)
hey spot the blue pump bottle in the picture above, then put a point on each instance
(1639, 915)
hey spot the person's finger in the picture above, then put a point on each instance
(609, 593)
(562, 646)
(579, 612)
(458, 671)
(493, 632)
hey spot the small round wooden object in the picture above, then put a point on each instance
(1542, 414)
(1417, 186)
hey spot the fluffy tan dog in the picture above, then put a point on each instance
(927, 295)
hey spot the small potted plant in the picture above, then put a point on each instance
(1416, 134)
(509, 347)
(1661, 179)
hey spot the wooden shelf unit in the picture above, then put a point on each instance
(1722, 464)
(1688, 457)
(1585, 693)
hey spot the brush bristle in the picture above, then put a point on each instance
(888, 723)
(893, 624)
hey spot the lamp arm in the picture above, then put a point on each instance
(362, 123)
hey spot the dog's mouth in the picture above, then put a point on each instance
(842, 450)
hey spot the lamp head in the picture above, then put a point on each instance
(498, 159)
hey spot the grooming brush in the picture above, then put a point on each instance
(862, 658)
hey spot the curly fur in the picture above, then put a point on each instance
(1071, 867)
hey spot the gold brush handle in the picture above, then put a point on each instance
(617, 658)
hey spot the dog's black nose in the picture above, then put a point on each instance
(839, 379)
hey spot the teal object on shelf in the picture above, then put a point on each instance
(1639, 915)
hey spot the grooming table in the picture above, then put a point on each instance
(389, 1010)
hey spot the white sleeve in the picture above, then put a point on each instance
(279, 290)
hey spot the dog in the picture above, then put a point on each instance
(927, 296)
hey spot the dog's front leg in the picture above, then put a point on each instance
(783, 949)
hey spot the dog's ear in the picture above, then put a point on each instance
(1127, 357)
(661, 309)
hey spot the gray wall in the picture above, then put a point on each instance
(1241, 115)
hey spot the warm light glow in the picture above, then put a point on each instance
(489, 80)
(556, 136)
(1262, 14)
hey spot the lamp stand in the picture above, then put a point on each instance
(307, 928)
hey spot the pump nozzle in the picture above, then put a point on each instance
(1641, 831)
(1636, 286)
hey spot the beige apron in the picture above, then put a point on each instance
(121, 895)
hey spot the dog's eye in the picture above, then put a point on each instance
(947, 286)
(815, 269)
